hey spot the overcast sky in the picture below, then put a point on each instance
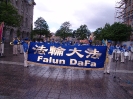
(93, 13)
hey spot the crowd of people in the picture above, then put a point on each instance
(63, 42)
(118, 52)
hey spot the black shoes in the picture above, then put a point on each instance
(107, 73)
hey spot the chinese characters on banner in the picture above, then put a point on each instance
(75, 56)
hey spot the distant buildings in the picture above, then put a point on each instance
(25, 9)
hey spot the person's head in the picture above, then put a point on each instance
(117, 44)
(52, 40)
(41, 40)
(56, 40)
(26, 40)
(15, 38)
(109, 43)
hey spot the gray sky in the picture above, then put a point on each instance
(93, 13)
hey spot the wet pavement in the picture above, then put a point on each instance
(44, 82)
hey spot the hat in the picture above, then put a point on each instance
(109, 41)
(26, 39)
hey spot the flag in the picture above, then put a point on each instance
(1, 29)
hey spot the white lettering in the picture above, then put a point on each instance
(73, 61)
(87, 62)
(93, 64)
(45, 60)
(50, 59)
(55, 61)
(39, 58)
(80, 63)
(61, 61)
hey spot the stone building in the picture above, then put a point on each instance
(25, 9)
(124, 13)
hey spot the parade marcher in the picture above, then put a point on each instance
(2, 46)
(52, 42)
(21, 46)
(130, 48)
(56, 42)
(48, 41)
(66, 42)
(122, 53)
(90, 41)
(36, 40)
(109, 56)
(76, 43)
(25, 48)
(41, 41)
(18, 46)
(113, 54)
(117, 51)
(15, 43)
(45, 41)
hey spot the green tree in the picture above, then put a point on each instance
(120, 32)
(64, 30)
(97, 34)
(9, 15)
(82, 32)
(41, 27)
(115, 32)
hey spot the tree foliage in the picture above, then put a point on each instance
(82, 32)
(64, 30)
(9, 14)
(115, 32)
(41, 27)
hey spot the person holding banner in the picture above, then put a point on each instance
(25, 48)
(108, 58)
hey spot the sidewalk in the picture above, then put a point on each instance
(44, 82)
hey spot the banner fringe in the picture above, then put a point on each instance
(68, 67)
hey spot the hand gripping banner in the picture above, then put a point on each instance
(70, 56)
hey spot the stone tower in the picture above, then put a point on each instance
(124, 13)
(25, 9)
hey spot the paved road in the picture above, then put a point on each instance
(44, 82)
